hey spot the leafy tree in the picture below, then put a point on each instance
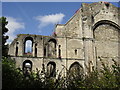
(11, 77)
(14, 78)
(3, 24)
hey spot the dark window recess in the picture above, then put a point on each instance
(107, 4)
(35, 50)
(51, 69)
(92, 19)
(16, 54)
(59, 51)
(75, 51)
(45, 52)
(17, 42)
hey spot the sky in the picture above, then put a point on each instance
(58, 0)
(37, 17)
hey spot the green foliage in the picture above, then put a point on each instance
(3, 24)
(105, 78)
(11, 77)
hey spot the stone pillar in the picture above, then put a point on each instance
(33, 49)
(88, 44)
(21, 48)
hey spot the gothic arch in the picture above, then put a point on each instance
(76, 69)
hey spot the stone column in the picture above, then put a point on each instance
(33, 49)
(88, 44)
(21, 47)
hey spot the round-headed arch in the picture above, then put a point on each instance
(27, 64)
(30, 39)
(105, 22)
(51, 69)
(52, 40)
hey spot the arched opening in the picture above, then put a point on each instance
(16, 53)
(28, 46)
(104, 22)
(51, 69)
(107, 42)
(27, 67)
(76, 70)
(36, 50)
(52, 48)
(75, 51)
(45, 51)
(59, 51)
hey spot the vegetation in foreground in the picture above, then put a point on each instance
(14, 78)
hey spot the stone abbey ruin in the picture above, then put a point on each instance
(92, 34)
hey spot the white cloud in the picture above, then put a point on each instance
(13, 26)
(49, 19)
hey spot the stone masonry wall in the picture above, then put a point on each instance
(91, 34)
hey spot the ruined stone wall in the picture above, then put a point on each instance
(37, 39)
(93, 15)
(107, 43)
(75, 48)
(36, 62)
(72, 28)
(12, 48)
(62, 42)
(93, 33)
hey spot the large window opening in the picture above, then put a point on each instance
(28, 46)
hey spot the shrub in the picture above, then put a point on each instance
(14, 78)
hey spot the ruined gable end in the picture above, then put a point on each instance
(92, 34)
